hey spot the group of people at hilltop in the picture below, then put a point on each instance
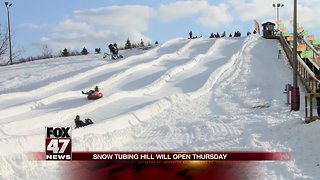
(217, 35)
(114, 51)
(193, 37)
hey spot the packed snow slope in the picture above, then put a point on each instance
(184, 95)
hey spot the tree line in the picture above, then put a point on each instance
(46, 52)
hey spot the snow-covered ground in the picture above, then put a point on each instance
(202, 94)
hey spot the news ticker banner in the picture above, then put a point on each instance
(164, 156)
(58, 147)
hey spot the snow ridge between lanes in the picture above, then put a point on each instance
(157, 107)
(8, 112)
(40, 121)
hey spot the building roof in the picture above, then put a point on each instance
(268, 23)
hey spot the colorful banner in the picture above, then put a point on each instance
(300, 29)
(283, 29)
(256, 26)
(136, 157)
(281, 25)
(317, 60)
(170, 169)
(291, 43)
(306, 54)
(301, 47)
(290, 38)
(310, 37)
(279, 22)
(285, 34)
(316, 42)
(304, 33)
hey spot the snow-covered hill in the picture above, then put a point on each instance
(185, 95)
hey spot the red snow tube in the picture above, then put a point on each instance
(95, 96)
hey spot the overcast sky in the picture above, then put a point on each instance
(96, 23)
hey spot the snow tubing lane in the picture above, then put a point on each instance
(95, 96)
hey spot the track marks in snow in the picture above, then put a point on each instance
(184, 127)
(156, 85)
(169, 47)
(55, 87)
(132, 118)
(230, 98)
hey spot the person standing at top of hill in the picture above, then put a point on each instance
(190, 35)
(116, 48)
(112, 49)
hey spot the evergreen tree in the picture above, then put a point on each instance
(97, 50)
(141, 43)
(84, 51)
(128, 45)
(65, 52)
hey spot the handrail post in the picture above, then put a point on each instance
(306, 106)
(311, 113)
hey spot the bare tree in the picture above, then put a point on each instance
(4, 46)
(4, 40)
(46, 51)
(17, 52)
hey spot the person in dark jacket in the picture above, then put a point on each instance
(116, 48)
(190, 35)
(112, 49)
(78, 122)
(223, 34)
(96, 89)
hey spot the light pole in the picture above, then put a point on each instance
(278, 5)
(296, 105)
(8, 5)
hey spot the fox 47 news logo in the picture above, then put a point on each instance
(58, 143)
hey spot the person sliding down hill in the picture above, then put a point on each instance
(80, 123)
(94, 94)
(114, 50)
(96, 90)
